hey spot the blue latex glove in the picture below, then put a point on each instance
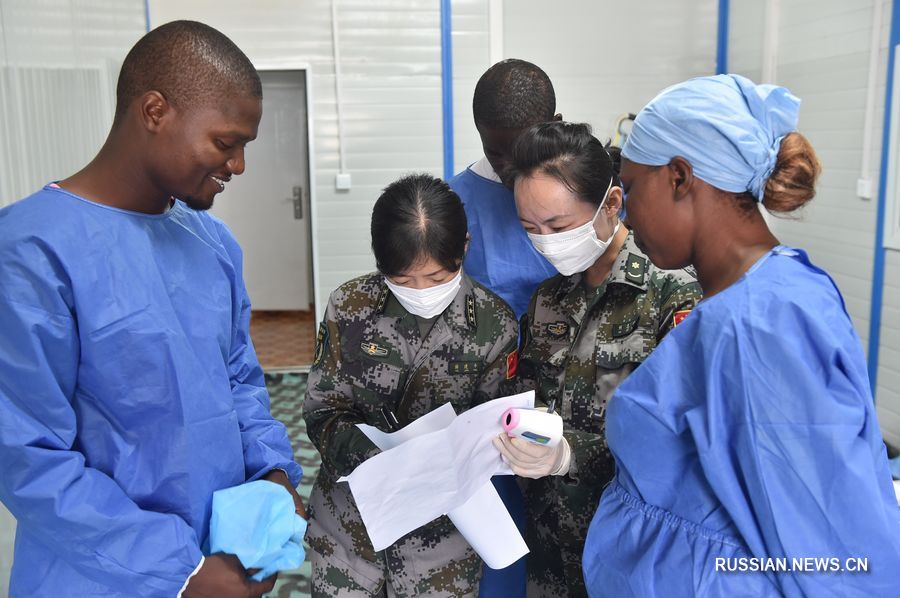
(256, 522)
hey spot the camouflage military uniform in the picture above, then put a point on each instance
(577, 345)
(373, 366)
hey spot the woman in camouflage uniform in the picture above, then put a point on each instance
(395, 345)
(586, 330)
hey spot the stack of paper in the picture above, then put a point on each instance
(440, 464)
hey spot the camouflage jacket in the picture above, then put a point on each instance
(372, 366)
(577, 345)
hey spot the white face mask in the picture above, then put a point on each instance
(574, 250)
(427, 303)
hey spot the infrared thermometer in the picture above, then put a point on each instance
(539, 427)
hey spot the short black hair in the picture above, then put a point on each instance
(569, 153)
(513, 94)
(418, 217)
(190, 63)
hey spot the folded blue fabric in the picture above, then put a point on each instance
(257, 523)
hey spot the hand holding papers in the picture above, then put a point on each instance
(441, 464)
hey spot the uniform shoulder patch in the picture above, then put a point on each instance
(635, 268)
(321, 344)
(381, 301)
(470, 312)
(679, 316)
(512, 364)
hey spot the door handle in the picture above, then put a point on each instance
(298, 202)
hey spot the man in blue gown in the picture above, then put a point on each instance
(510, 97)
(129, 387)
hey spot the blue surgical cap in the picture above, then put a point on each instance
(727, 127)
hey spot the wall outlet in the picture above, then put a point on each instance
(864, 188)
(342, 181)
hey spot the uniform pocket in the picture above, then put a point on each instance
(546, 365)
(634, 348)
(554, 353)
(380, 378)
(376, 390)
(456, 389)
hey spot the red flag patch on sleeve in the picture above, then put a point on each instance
(512, 364)
(679, 317)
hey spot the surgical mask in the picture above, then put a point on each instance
(574, 250)
(427, 303)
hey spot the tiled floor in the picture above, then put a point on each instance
(283, 339)
(286, 392)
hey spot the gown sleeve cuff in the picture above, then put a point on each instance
(188, 580)
(291, 469)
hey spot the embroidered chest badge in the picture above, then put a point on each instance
(375, 350)
(557, 329)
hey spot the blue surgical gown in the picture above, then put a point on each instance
(500, 255)
(750, 433)
(129, 393)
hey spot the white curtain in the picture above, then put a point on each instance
(52, 121)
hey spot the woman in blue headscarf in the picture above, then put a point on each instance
(748, 454)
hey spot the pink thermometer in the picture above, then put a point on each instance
(533, 425)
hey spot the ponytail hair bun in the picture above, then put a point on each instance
(793, 180)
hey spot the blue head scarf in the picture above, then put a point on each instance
(727, 127)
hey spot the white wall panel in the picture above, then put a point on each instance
(391, 95)
(59, 60)
(390, 54)
(823, 57)
(746, 26)
(471, 57)
(606, 58)
(889, 356)
(70, 32)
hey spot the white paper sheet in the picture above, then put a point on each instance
(435, 467)
(489, 528)
(438, 419)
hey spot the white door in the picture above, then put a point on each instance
(267, 207)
